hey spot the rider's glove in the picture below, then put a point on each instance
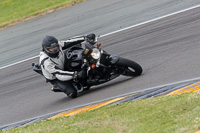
(80, 74)
(91, 38)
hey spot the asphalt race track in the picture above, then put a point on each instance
(167, 49)
(98, 16)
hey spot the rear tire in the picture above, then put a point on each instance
(131, 68)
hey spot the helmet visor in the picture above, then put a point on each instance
(53, 48)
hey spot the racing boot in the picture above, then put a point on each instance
(56, 89)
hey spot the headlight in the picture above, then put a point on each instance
(95, 53)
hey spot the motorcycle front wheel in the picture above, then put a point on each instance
(131, 68)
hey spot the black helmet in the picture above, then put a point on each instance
(50, 46)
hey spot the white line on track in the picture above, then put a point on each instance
(149, 21)
(19, 62)
(171, 14)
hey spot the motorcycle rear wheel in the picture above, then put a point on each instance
(131, 68)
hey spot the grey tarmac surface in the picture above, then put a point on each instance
(168, 51)
(23, 40)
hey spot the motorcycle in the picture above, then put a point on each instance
(100, 66)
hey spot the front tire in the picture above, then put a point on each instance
(131, 68)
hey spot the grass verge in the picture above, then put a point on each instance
(166, 114)
(15, 11)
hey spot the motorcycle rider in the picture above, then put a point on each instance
(52, 60)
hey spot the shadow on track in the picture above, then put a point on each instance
(93, 89)
(105, 86)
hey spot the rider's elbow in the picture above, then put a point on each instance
(63, 77)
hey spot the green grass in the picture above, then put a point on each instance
(165, 114)
(14, 11)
